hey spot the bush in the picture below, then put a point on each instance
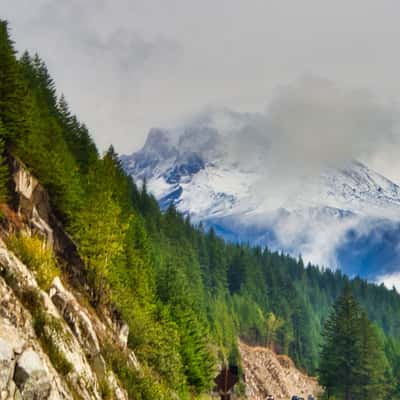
(105, 390)
(140, 385)
(34, 253)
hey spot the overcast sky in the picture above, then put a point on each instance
(128, 65)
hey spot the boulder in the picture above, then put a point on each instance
(31, 376)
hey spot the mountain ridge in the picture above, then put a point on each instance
(197, 168)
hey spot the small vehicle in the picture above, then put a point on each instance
(310, 397)
(297, 398)
(270, 397)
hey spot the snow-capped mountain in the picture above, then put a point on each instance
(221, 169)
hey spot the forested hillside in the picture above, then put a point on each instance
(185, 293)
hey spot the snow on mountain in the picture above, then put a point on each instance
(213, 169)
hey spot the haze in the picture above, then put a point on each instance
(126, 66)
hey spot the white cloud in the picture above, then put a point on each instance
(390, 280)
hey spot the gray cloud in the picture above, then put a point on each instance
(311, 125)
(316, 123)
(102, 68)
(128, 65)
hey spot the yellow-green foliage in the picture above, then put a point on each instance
(34, 253)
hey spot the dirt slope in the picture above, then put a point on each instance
(268, 373)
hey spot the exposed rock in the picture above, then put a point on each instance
(25, 183)
(82, 378)
(31, 376)
(119, 393)
(123, 335)
(87, 327)
(7, 364)
(77, 319)
(32, 204)
(267, 373)
(26, 372)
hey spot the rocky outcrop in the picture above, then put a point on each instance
(267, 373)
(51, 343)
(26, 372)
(32, 204)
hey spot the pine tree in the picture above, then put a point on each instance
(14, 104)
(4, 171)
(98, 229)
(352, 365)
(374, 368)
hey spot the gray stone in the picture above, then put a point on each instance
(6, 350)
(7, 364)
(37, 387)
(123, 335)
(31, 377)
(30, 362)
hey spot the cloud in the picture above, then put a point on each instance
(128, 65)
(102, 67)
(313, 124)
(310, 127)
(316, 239)
(390, 280)
(317, 123)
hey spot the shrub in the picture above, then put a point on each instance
(34, 253)
(105, 390)
(140, 385)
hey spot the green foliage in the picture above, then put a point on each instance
(76, 136)
(99, 230)
(13, 99)
(105, 390)
(353, 364)
(4, 170)
(140, 385)
(37, 255)
(272, 324)
(43, 148)
(43, 329)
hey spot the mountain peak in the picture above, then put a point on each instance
(208, 170)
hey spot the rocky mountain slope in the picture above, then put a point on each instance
(53, 345)
(267, 373)
(208, 171)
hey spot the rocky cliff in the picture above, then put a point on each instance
(53, 344)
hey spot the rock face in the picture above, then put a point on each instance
(51, 343)
(26, 372)
(269, 374)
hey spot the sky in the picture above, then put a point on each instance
(128, 65)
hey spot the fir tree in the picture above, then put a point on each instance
(4, 170)
(13, 94)
(352, 363)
